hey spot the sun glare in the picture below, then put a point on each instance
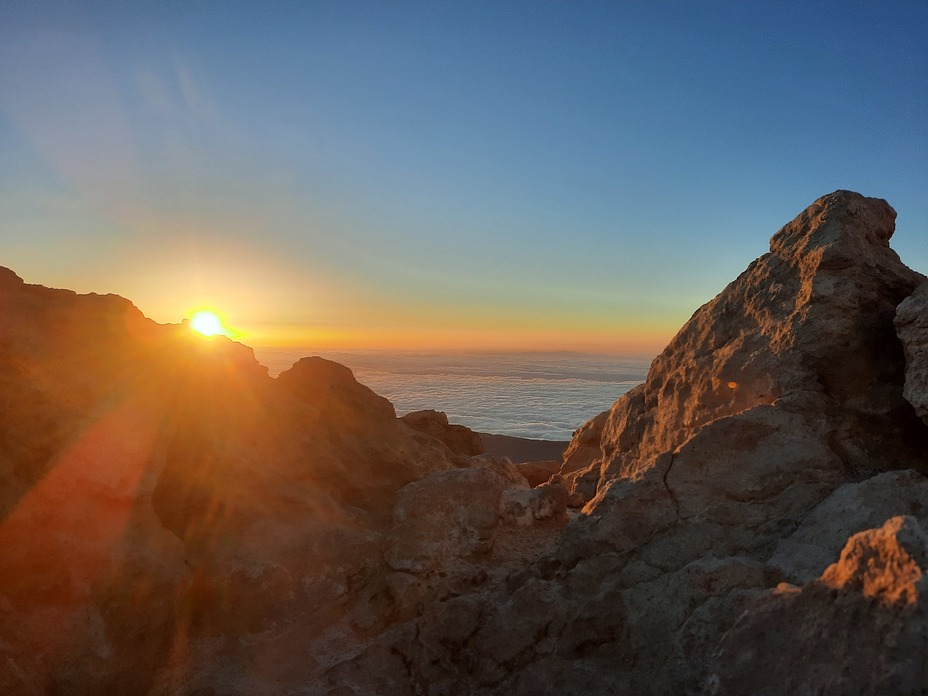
(208, 323)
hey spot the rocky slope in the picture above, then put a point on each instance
(751, 519)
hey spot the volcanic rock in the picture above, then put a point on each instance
(538, 472)
(446, 515)
(884, 563)
(859, 629)
(808, 327)
(457, 438)
(161, 489)
(852, 508)
(912, 327)
(750, 519)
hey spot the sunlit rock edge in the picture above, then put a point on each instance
(751, 519)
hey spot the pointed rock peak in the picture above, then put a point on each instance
(840, 219)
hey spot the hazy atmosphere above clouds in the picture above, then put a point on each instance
(445, 174)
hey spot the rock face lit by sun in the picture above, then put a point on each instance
(208, 323)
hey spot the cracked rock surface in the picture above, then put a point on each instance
(750, 519)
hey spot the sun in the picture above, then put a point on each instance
(208, 323)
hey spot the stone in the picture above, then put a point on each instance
(808, 327)
(859, 629)
(539, 472)
(457, 438)
(522, 507)
(450, 514)
(853, 507)
(549, 501)
(886, 563)
(750, 519)
(912, 328)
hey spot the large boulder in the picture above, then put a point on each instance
(808, 327)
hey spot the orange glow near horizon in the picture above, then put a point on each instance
(445, 339)
(208, 323)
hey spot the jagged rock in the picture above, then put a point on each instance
(459, 439)
(224, 530)
(808, 326)
(784, 387)
(860, 629)
(854, 507)
(163, 489)
(884, 563)
(912, 327)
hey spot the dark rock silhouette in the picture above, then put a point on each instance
(751, 519)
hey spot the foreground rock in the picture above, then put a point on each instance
(771, 430)
(160, 490)
(912, 327)
(751, 519)
(859, 629)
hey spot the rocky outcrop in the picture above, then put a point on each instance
(852, 508)
(160, 489)
(859, 629)
(457, 438)
(808, 327)
(750, 519)
(771, 430)
(912, 327)
(885, 564)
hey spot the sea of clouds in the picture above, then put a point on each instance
(543, 396)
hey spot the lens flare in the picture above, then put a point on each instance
(208, 323)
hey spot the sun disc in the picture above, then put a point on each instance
(208, 323)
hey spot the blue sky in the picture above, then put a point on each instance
(431, 174)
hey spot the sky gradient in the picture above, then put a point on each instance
(469, 175)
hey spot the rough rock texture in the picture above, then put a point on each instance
(159, 489)
(457, 438)
(912, 327)
(885, 564)
(854, 507)
(859, 629)
(751, 519)
(449, 515)
(808, 327)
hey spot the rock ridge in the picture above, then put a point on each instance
(750, 519)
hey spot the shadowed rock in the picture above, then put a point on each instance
(177, 522)
(912, 327)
